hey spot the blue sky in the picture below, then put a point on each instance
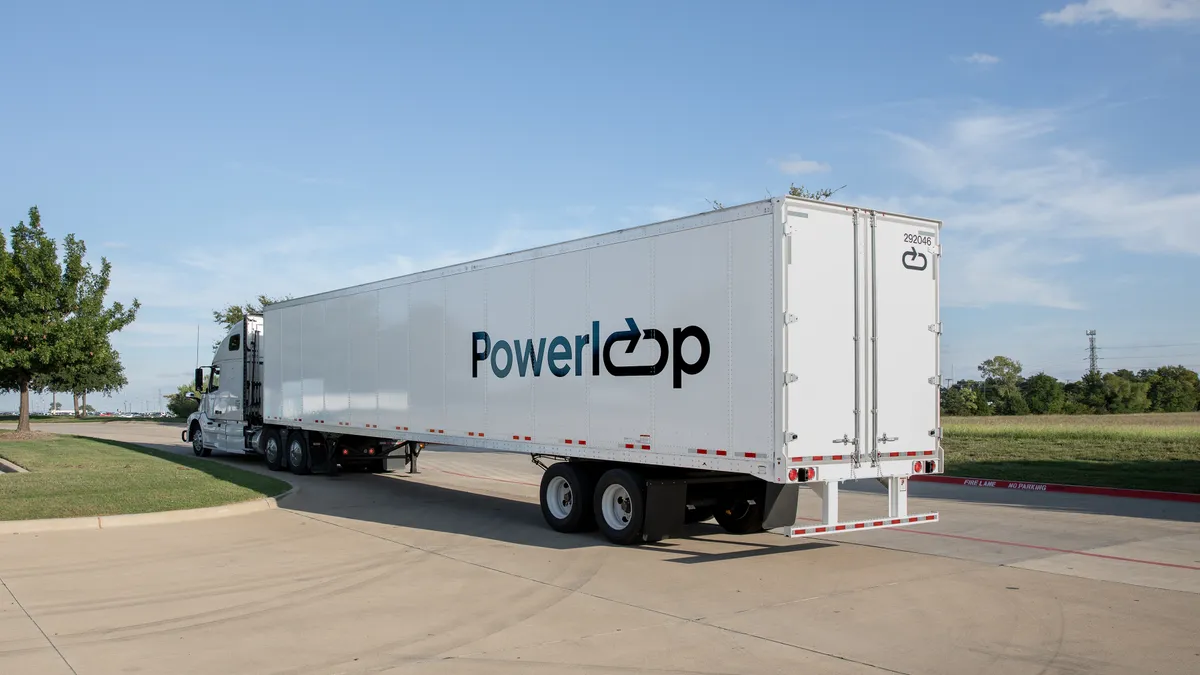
(216, 152)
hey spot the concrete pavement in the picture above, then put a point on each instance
(453, 571)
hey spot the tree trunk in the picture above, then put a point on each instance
(83, 410)
(23, 418)
(78, 411)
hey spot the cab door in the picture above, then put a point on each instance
(226, 393)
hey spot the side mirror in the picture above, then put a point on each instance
(199, 379)
(189, 394)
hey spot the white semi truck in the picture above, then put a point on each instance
(707, 366)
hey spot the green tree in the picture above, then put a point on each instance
(38, 295)
(179, 405)
(1001, 386)
(959, 401)
(820, 194)
(1173, 389)
(232, 314)
(1125, 396)
(1044, 394)
(1086, 396)
(93, 365)
(794, 190)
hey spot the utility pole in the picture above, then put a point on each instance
(1093, 361)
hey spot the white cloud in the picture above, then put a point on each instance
(1141, 12)
(1019, 206)
(982, 59)
(795, 166)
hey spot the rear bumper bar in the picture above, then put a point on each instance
(855, 526)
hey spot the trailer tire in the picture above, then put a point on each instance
(620, 506)
(566, 497)
(273, 450)
(297, 457)
(740, 516)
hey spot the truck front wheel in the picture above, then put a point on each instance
(198, 448)
(620, 506)
(566, 497)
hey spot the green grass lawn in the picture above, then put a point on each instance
(1149, 452)
(70, 476)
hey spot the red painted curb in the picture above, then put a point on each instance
(1053, 487)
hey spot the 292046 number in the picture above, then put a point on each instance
(922, 239)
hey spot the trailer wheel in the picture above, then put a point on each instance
(297, 457)
(620, 506)
(566, 497)
(273, 450)
(740, 516)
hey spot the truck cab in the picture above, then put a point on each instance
(230, 412)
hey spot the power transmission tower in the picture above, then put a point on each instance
(1093, 366)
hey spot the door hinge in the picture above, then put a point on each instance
(934, 380)
(789, 378)
(935, 328)
(789, 436)
(790, 318)
(935, 433)
(936, 249)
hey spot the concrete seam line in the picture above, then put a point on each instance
(136, 519)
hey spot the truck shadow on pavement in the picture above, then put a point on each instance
(358, 501)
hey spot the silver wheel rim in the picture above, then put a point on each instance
(616, 506)
(296, 453)
(272, 450)
(559, 498)
(197, 442)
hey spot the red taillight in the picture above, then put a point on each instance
(810, 473)
(345, 451)
(931, 466)
(370, 451)
(917, 466)
(793, 474)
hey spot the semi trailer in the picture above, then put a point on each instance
(711, 366)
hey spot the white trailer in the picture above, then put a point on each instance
(708, 366)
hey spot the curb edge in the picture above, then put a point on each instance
(1033, 486)
(139, 519)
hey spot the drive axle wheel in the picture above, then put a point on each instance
(273, 450)
(297, 456)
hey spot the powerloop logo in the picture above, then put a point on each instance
(562, 355)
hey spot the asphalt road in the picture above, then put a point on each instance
(453, 571)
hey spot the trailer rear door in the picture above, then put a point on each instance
(823, 354)
(905, 329)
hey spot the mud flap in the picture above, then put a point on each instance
(779, 508)
(666, 505)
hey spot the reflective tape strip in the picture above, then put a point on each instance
(863, 525)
